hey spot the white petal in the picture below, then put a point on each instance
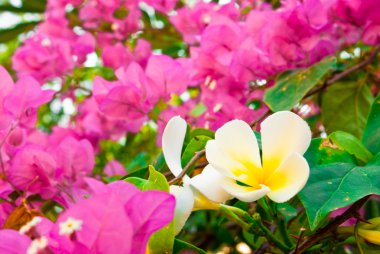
(283, 133)
(237, 140)
(184, 205)
(209, 183)
(231, 168)
(290, 177)
(172, 142)
(245, 193)
(221, 161)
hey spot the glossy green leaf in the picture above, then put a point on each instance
(196, 144)
(371, 135)
(322, 151)
(182, 247)
(351, 144)
(136, 181)
(345, 107)
(337, 185)
(202, 132)
(156, 181)
(291, 87)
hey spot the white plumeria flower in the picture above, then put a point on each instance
(283, 171)
(70, 226)
(37, 245)
(203, 191)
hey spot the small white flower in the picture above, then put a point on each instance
(203, 191)
(37, 245)
(28, 226)
(70, 226)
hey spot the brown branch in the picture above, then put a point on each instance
(254, 123)
(197, 156)
(345, 73)
(320, 234)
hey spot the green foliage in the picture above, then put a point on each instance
(371, 135)
(292, 86)
(345, 107)
(351, 144)
(196, 144)
(335, 180)
(184, 247)
(11, 33)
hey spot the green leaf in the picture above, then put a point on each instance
(162, 240)
(345, 107)
(202, 132)
(11, 33)
(322, 151)
(351, 144)
(156, 181)
(288, 211)
(136, 181)
(196, 144)
(184, 247)
(291, 87)
(333, 186)
(371, 135)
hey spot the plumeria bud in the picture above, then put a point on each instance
(370, 231)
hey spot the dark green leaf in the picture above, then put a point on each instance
(291, 87)
(322, 151)
(196, 144)
(371, 135)
(351, 144)
(336, 185)
(345, 107)
(181, 247)
(202, 132)
(11, 33)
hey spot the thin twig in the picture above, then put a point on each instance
(302, 232)
(254, 123)
(197, 156)
(345, 73)
(320, 234)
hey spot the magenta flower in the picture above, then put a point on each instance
(117, 218)
(12, 242)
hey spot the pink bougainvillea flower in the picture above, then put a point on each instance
(117, 218)
(26, 96)
(114, 168)
(33, 170)
(12, 242)
(74, 158)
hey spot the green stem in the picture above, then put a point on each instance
(256, 218)
(357, 239)
(284, 232)
(233, 214)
